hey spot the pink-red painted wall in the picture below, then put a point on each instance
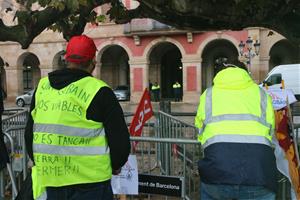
(138, 79)
(189, 48)
(192, 79)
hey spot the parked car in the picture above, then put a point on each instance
(24, 99)
(122, 92)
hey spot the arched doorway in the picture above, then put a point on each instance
(165, 68)
(214, 53)
(114, 66)
(59, 61)
(30, 63)
(283, 52)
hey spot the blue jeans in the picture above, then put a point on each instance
(235, 192)
(82, 192)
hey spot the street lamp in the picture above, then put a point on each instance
(248, 51)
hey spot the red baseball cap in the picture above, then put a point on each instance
(80, 49)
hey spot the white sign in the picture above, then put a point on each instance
(127, 181)
(279, 97)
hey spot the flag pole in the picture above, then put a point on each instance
(293, 132)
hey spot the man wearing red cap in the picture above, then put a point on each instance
(76, 134)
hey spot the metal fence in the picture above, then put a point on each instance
(179, 153)
(12, 177)
(150, 156)
(168, 147)
(14, 117)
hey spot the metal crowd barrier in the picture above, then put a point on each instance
(168, 147)
(13, 127)
(188, 154)
(16, 117)
(150, 152)
(172, 150)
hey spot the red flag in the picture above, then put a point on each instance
(143, 113)
(286, 159)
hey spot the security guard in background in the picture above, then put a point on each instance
(156, 91)
(76, 134)
(235, 118)
(177, 91)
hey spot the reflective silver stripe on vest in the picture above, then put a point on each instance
(68, 130)
(208, 105)
(200, 131)
(253, 139)
(239, 117)
(69, 150)
(235, 117)
(263, 103)
(272, 131)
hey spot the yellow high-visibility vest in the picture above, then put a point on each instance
(176, 85)
(221, 117)
(39, 191)
(154, 87)
(68, 148)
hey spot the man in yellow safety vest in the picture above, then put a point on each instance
(76, 133)
(177, 91)
(235, 119)
(156, 91)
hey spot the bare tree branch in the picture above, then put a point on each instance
(24, 34)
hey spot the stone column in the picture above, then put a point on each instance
(254, 33)
(255, 68)
(264, 68)
(139, 77)
(14, 81)
(191, 79)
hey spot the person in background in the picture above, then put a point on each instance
(235, 119)
(76, 134)
(177, 91)
(156, 91)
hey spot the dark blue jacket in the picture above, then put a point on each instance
(239, 164)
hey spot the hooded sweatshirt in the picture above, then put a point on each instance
(237, 163)
(233, 79)
(104, 108)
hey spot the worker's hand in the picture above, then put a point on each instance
(116, 172)
(30, 164)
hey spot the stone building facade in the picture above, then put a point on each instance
(146, 51)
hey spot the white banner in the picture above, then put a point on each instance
(279, 97)
(127, 181)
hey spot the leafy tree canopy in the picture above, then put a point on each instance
(71, 16)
